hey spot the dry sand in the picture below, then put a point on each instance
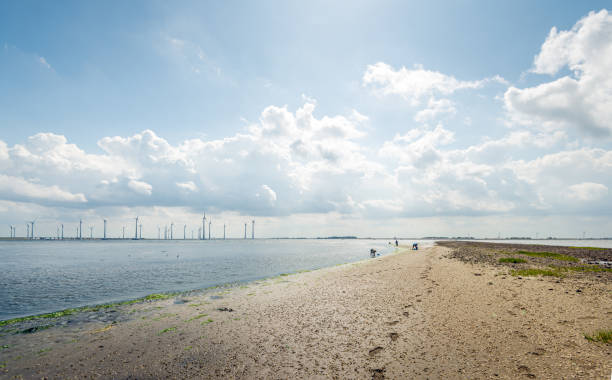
(403, 316)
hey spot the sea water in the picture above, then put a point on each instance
(45, 276)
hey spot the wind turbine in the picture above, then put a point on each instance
(171, 230)
(223, 231)
(80, 229)
(32, 229)
(62, 231)
(158, 233)
(28, 231)
(104, 229)
(184, 231)
(90, 232)
(136, 230)
(209, 223)
(204, 227)
(140, 227)
(245, 230)
(253, 229)
(123, 232)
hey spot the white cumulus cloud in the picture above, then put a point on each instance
(20, 189)
(587, 191)
(417, 83)
(140, 187)
(581, 100)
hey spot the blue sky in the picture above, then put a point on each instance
(161, 74)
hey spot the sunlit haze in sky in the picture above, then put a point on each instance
(315, 118)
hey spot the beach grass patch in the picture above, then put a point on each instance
(207, 321)
(199, 304)
(188, 348)
(604, 336)
(251, 294)
(63, 313)
(165, 315)
(158, 296)
(197, 317)
(103, 329)
(3, 365)
(44, 350)
(583, 268)
(536, 272)
(512, 260)
(284, 274)
(551, 255)
(169, 329)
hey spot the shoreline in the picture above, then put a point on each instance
(420, 314)
(159, 296)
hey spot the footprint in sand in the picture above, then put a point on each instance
(375, 351)
(393, 336)
(405, 314)
(378, 373)
(392, 323)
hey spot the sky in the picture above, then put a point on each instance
(366, 118)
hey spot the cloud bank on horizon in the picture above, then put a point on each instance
(293, 162)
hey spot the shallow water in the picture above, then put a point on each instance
(45, 276)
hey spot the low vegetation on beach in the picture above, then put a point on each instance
(536, 272)
(512, 260)
(536, 260)
(604, 336)
(197, 317)
(66, 312)
(169, 329)
(552, 255)
(589, 268)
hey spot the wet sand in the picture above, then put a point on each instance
(408, 315)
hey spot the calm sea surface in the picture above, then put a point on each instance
(45, 276)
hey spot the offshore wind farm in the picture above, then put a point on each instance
(169, 230)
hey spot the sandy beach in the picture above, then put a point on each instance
(413, 314)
